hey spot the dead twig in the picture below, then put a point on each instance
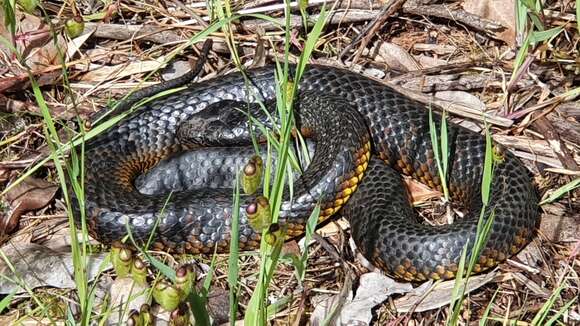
(543, 126)
(369, 31)
(339, 16)
(454, 13)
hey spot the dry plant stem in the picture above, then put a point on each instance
(369, 31)
(296, 317)
(558, 99)
(451, 12)
(520, 73)
(22, 81)
(339, 16)
(540, 148)
(328, 247)
(190, 12)
(24, 163)
(543, 126)
(155, 34)
(447, 68)
(9, 105)
(568, 129)
(454, 82)
(458, 110)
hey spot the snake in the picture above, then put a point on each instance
(368, 136)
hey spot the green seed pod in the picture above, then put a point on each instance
(28, 5)
(122, 258)
(139, 271)
(259, 215)
(74, 27)
(180, 316)
(166, 295)
(134, 318)
(252, 176)
(145, 315)
(185, 280)
(273, 234)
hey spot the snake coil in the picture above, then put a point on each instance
(383, 223)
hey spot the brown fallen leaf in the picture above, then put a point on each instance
(31, 194)
(429, 297)
(374, 288)
(500, 11)
(218, 303)
(126, 295)
(34, 40)
(291, 248)
(396, 57)
(37, 266)
(564, 228)
(419, 192)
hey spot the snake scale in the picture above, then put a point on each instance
(365, 185)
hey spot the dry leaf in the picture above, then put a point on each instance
(531, 258)
(499, 11)
(218, 305)
(126, 295)
(33, 40)
(462, 98)
(291, 248)
(28, 195)
(38, 266)
(98, 73)
(564, 228)
(396, 57)
(327, 306)
(373, 290)
(426, 298)
(176, 69)
(419, 192)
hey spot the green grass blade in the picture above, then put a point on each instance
(521, 17)
(233, 270)
(444, 148)
(460, 283)
(487, 168)
(562, 191)
(9, 7)
(485, 315)
(311, 41)
(79, 251)
(310, 228)
(541, 36)
(197, 304)
(6, 301)
(521, 56)
(440, 150)
(482, 234)
(543, 312)
(560, 312)
(256, 311)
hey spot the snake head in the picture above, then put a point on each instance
(224, 123)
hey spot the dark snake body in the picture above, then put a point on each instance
(383, 223)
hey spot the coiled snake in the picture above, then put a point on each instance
(383, 224)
